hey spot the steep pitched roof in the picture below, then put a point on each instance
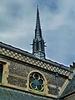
(31, 55)
(70, 88)
(11, 94)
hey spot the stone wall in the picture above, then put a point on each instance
(18, 76)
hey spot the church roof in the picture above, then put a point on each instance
(31, 55)
(70, 88)
(15, 49)
(12, 94)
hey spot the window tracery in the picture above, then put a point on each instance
(36, 81)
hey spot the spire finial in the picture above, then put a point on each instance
(37, 6)
(37, 10)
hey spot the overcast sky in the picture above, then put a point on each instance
(57, 17)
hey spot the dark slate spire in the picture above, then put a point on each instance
(38, 42)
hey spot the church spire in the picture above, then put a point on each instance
(38, 42)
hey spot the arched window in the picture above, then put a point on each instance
(36, 81)
(1, 72)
